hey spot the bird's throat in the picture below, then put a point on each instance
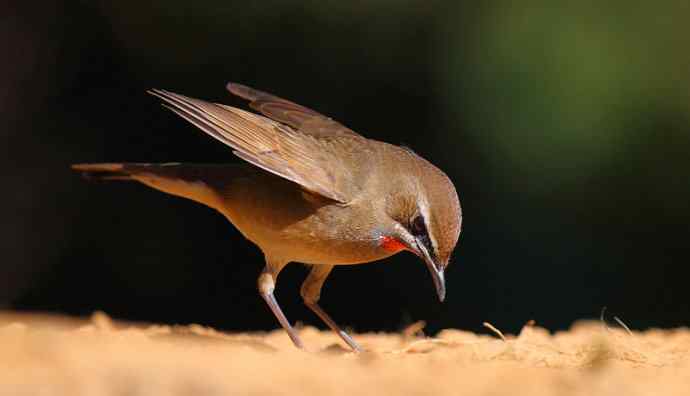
(392, 244)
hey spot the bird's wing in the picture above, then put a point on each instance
(316, 162)
(297, 116)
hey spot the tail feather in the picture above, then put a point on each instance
(201, 183)
(104, 171)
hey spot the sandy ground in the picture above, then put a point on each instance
(43, 355)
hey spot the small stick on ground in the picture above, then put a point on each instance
(623, 325)
(495, 330)
(414, 329)
(603, 321)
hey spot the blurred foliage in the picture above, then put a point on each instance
(560, 92)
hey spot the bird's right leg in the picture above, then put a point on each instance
(266, 283)
(311, 292)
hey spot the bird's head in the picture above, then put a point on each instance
(424, 216)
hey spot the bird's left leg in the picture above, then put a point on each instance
(311, 291)
(266, 284)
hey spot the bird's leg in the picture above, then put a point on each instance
(311, 291)
(266, 285)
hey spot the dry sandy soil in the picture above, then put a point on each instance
(43, 355)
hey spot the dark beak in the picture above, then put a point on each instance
(435, 270)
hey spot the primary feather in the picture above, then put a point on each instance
(307, 156)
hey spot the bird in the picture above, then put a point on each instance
(310, 190)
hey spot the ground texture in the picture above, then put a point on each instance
(42, 355)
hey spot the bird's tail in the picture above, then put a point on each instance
(107, 171)
(201, 183)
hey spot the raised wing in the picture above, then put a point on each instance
(297, 116)
(314, 161)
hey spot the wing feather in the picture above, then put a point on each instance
(310, 160)
(297, 116)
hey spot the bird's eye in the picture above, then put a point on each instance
(418, 228)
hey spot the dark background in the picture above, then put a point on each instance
(565, 130)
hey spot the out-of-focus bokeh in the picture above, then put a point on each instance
(566, 130)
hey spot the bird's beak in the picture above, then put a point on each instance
(436, 272)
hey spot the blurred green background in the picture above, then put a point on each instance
(566, 129)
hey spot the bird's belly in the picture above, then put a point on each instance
(302, 244)
(275, 215)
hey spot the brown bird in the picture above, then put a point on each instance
(316, 192)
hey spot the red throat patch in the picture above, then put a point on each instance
(391, 244)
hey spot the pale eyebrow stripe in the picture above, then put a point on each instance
(422, 208)
(427, 223)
